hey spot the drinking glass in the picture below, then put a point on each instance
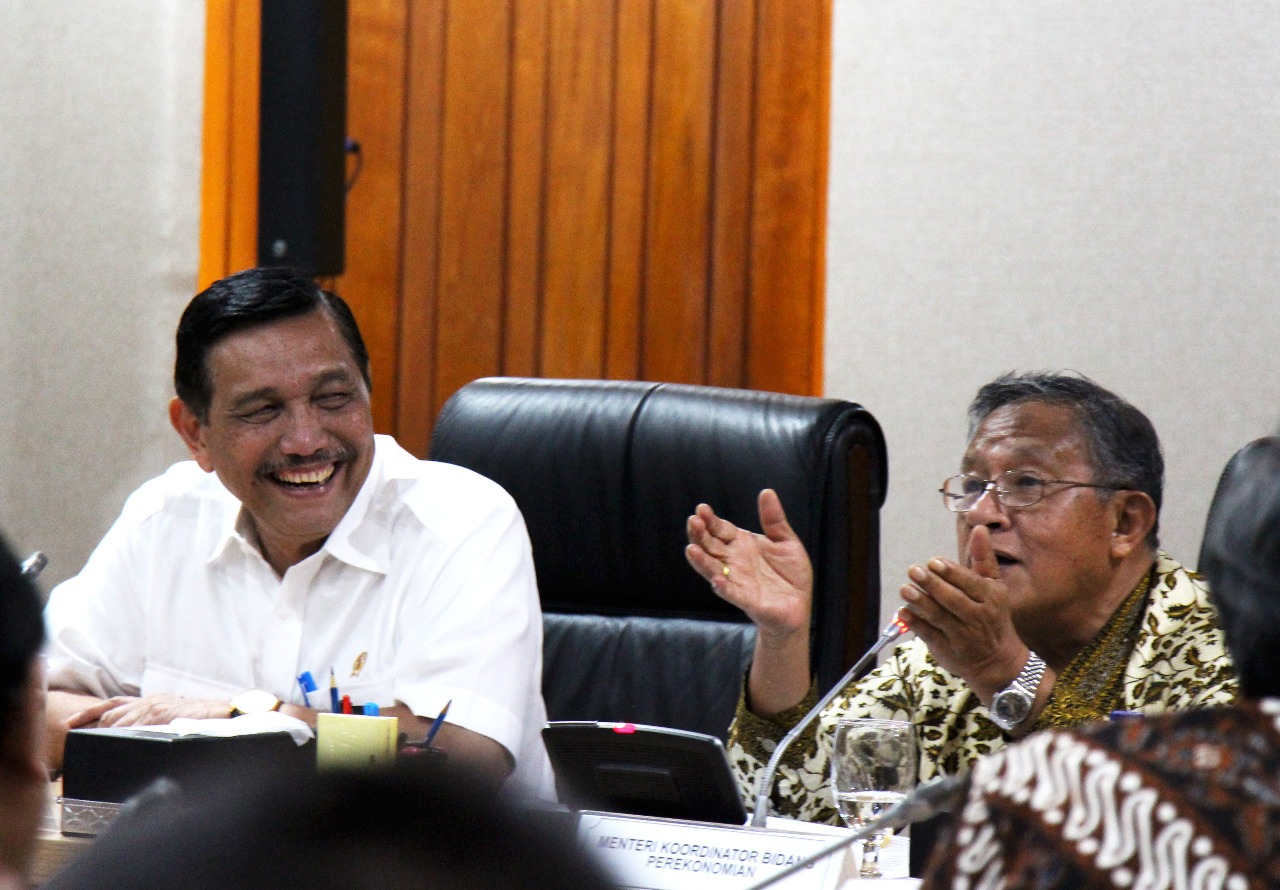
(873, 766)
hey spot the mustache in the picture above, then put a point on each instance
(293, 461)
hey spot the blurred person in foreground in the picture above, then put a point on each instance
(1181, 800)
(401, 827)
(23, 779)
(1059, 609)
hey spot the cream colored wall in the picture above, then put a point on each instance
(99, 202)
(1086, 184)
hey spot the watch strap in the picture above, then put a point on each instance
(1031, 674)
(1012, 705)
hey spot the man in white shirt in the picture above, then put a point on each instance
(297, 541)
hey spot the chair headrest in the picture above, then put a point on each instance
(606, 473)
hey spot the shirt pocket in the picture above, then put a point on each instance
(380, 691)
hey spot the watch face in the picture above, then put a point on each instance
(255, 701)
(1010, 707)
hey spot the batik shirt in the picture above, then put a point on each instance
(1161, 650)
(1184, 800)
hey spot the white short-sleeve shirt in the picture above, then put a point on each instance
(424, 594)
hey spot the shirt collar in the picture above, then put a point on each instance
(361, 538)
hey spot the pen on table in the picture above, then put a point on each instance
(335, 703)
(307, 683)
(435, 726)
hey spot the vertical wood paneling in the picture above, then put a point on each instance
(579, 138)
(731, 194)
(578, 188)
(789, 197)
(215, 175)
(419, 316)
(229, 179)
(473, 194)
(677, 249)
(628, 200)
(242, 245)
(371, 282)
(527, 166)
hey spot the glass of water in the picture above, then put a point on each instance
(873, 766)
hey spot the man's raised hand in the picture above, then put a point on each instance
(768, 575)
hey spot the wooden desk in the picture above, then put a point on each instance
(53, 850)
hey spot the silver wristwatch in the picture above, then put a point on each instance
(1012, 704)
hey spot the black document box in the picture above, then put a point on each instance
(102, 768)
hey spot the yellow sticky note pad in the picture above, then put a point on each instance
(351, 740)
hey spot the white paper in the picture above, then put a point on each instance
(248, 724)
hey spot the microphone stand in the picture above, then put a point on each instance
(939, 796)
(894, 630)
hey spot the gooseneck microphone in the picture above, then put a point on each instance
(942, 795)
(761, 812)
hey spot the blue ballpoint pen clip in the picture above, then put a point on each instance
(306, 683)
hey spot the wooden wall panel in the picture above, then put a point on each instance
(229, 177)
(620, 188)
(419, 315)
(473, 170)
(629, 186)
(789, 200)
(730, 262)
(376, 57)
(522, 333)
(576, 186)
(677, 250)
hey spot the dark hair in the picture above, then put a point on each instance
(1123, 446)
(21, 635)
(404, 827)
(246, 300)
(1241, 557)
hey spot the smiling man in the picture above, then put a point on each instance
(1059, 610)
(298, 541)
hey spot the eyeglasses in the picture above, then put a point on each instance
(1013, 488)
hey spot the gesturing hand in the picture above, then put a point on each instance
(150, 710)
(769, 575)
(962, 614)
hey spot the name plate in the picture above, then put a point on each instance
(645, 853)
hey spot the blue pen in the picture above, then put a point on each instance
(306, 683)
(435, 727)
(335, 702)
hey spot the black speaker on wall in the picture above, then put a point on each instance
(302, 135)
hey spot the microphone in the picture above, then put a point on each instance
(34, 564)
(942, 795)
(895, 629)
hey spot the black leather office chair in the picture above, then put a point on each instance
(606, 472)
(1261, 457)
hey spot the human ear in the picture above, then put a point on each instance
(1134, 515)
(191, 430)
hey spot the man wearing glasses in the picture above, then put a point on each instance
(1059, 610)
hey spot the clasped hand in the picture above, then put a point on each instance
(962, 613)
